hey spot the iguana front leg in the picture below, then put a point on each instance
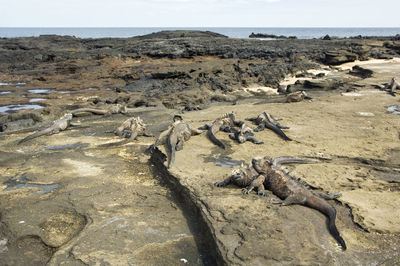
(197, 131)
(145, 134)
(224, 183)
(260, 127)
(257, 183)
(254, 140)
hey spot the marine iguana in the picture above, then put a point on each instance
(245, 133)
(115, 109)
(59, 125)
(175, 136)
(392, 86)
(297, 96)
(131, 128)
(224, 123)
(162, 138)
(292, 192)
(264, 173)
(265, 120)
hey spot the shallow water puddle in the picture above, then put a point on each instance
(224, 161)
(34, 100)
(15, 107)
(40, 91)
(394, 109)
(15, 183)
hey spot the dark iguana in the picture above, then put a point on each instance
(265, 173)
(115, 109)
(392, 86)
(265, 120)
(131, 128)
(224, 123)
(59, 125)
(243, 134)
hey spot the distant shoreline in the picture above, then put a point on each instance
(232, 32)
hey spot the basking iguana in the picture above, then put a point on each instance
(243, 134)
(297, 96)
(224, 123)
(115, 109)
(59, 125)
(392, 86)
(265, 173)
(175, 136)
(265, 120)
(131, 128)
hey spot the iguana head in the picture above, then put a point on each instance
(140, 123)
(67, 116)
(238, 174)
(260, 162)
(177, 118)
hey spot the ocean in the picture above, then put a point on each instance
(301, 33)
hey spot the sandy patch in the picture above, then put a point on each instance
(83, 168)
(260, 89)
(350, 65)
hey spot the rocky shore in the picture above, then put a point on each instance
(85, 196)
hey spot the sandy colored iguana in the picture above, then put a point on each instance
(59, 125)
(243, 134)
(132, 128)
(297, 96)
(175, 136)
(114, 109)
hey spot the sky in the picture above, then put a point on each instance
(199, 13)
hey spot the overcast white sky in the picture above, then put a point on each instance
(199, 13)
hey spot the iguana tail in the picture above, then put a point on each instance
(35, 135)
(277, 130)
(172, 146)
(327, 209)
(91, 110)
(211, 136)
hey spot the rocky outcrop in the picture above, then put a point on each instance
(174, 34)
(361, 72)
(270, 36)
(338, 57)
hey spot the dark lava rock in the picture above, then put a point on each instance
(339, 57)
(327, 38)
(361, 72)
(270, 36)
(321, 84)
(181, 34)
